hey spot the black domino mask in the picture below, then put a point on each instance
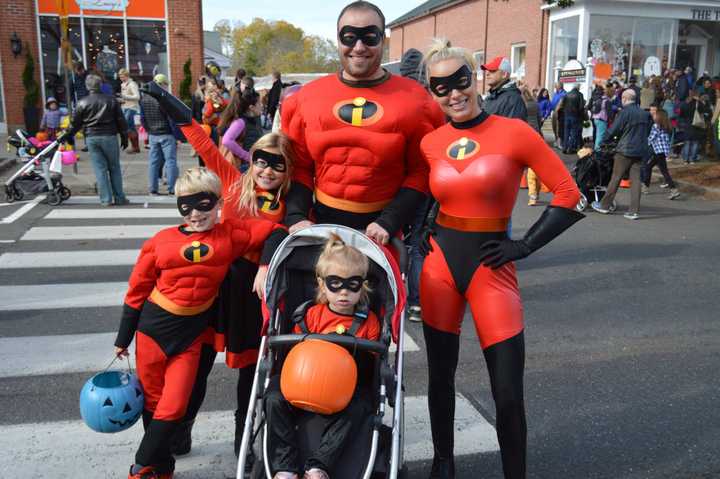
(203, 201)
(460, 80)
(370, 36)
(336, 283)
(262, 159)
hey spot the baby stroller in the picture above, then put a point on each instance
(291, 281)
(26, 146)
(592, 173)
(35, 177)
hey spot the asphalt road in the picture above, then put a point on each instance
(622, 344)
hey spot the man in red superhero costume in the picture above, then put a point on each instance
(357, 135)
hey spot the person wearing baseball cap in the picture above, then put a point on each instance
(504, 98)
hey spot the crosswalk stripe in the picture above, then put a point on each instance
(46, 233)
(141, 199)
(68, 449)
(67, 259)
(59, 296)
(112, 213)
(91, 352)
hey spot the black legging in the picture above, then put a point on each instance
(506, 364)
(660, 160)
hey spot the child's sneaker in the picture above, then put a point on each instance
(598, 207)
(674, 193)
(631, 216)
(414, 314)
(665, 185)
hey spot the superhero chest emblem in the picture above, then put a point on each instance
(267, 203)
(197, 252)
(358, 112)
(462, 149)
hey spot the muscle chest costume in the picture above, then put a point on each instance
(169, 302)
(475, 170)
(321, 319)
(357, 148)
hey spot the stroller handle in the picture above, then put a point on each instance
(287, 340)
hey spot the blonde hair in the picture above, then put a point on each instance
(196, 180)
(247, 202)
(441, 49)
(347, 258)
(124, 71)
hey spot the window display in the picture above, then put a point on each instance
(105, 43)
(53, 67)
(147, 47)
(564, 43)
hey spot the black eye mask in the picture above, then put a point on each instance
(262, 159)
(460, 80)
(203, 201)
(370, 36)
(336, 283)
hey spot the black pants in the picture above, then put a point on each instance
(660, 160)
(506, 364)
(244, 386)
(339, 430)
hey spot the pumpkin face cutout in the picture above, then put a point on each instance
(111, 401)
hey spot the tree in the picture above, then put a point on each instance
(32, 89)
(264, 46)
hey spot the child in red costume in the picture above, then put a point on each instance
(476, 162)
(342, 298)
(170, 301)
(357, 146)
(260, 192)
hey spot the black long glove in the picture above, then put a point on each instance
(173, 106)
(428, 229)
(551, 224)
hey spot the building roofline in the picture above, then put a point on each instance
(431, 6)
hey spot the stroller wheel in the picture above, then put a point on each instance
(53, 198)
(18, 195)
(64, 193)
(582, 203)
(9, 196)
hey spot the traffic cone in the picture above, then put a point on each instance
(523, 181)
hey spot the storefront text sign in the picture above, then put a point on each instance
(572, 76)
(706, 14)
(117, 5)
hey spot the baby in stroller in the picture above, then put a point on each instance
(341, 308)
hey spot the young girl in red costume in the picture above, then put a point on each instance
(260, 192)
(170, 301)
(341, 308)
(476, 162)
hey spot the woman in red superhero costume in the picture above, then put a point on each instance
(357, 136)
(260, 192)
(476, 162)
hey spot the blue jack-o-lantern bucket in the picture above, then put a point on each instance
(111, 401)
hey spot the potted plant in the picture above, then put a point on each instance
(32, 96)
(186, 84)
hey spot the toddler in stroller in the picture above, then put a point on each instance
(592, 173)
(324, 375)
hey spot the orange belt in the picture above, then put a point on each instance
(487, 225)
(168, 305)
(347, 205)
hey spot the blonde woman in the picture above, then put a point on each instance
(130, 104)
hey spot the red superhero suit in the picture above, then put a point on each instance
(169, 302)
(339, 427)
(475, 170)
(238, 323)
(357, 147)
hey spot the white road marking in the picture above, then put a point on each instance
(112, 213)
(58, 296)
(94, 200)
(69, 259)
(68, 449)
(21, 211)
(61, 354)
(7, 241)
(43, 233)
(409, 344)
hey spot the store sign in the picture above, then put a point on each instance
(112, 5)
(573, 76)
(706, 14)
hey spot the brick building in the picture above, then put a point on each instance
(145, 36)
(602, 38)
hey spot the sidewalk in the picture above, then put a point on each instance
(82, 182)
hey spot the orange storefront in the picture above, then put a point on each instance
(145, 36)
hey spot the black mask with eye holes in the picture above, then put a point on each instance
(262, 159)
(460, 80)
(370, 36)
(203, 201)
(336, 283)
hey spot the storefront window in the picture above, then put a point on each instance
(53, 67)
(564, 43)
(626, 46)
(147, 47)
(517, 54)
(105, 45)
